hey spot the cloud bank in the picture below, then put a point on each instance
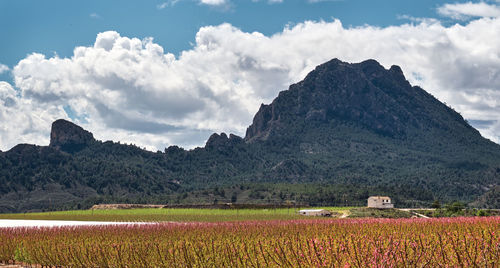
(131, 90)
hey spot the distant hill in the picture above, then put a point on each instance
(345, 132)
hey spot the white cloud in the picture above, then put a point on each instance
(95, 15)
(270, 1)
(130, 90)
(169, 3)
(22, 121)
(319, 1)
(162, 5)
(213, 2)
(463, 11)
(417, 19)
(3, 68)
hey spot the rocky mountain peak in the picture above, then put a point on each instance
(69, 137)
(365, 94)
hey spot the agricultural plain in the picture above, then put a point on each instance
(170, 214)
(452, 242)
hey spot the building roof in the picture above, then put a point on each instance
(379, 197)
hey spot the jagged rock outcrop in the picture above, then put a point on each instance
(69, 137)
(219, 141)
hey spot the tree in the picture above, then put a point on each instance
(455, 207)
(436, 204)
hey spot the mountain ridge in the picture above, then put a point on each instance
(348, 130)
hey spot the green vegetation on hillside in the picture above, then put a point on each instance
(344, 133)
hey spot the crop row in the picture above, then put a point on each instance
(167, 214)
(454, 242)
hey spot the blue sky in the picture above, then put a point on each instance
(57, 26)
(158, 73)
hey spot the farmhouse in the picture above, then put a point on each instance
(315, 212)
(380, 202)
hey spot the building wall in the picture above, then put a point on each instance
(378, 203)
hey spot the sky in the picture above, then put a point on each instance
(161, 73)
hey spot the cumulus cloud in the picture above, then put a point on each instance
(463, 11)
(23, 122)
(3, 68)
(131, 90)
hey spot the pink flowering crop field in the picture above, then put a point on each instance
(451, 242)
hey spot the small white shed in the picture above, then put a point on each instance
(380, 202)
(315, 212)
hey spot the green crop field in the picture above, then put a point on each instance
(169, 214)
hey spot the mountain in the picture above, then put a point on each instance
(345, 132)
(379, 100)
(69, 137)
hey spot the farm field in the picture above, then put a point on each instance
(169, 214)
(454, 242)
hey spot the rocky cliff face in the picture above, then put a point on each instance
(69, 137)
(364, 94)
(217, 141)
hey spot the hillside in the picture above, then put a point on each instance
(345, 132)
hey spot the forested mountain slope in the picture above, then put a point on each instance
(345, 132)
